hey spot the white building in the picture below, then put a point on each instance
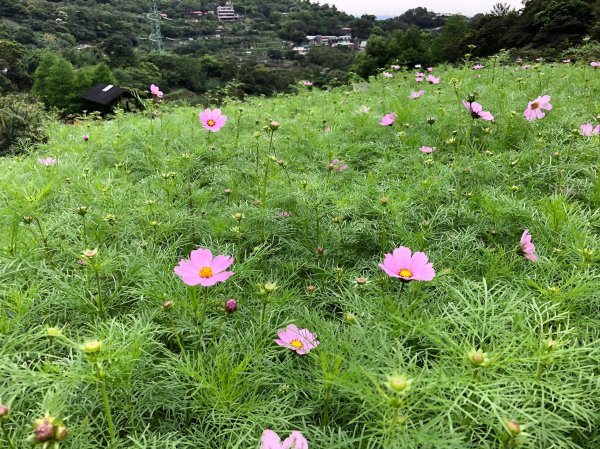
(227, 13)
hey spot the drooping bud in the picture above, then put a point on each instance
(27, 219)
(231, 305)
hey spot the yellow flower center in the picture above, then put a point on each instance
(206, 272)
(535, 105)
(405, 273)
(296, 344)
(211, 122)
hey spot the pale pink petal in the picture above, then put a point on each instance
(295, 441)
(402, 256)
(486, 115)
(219, 277)
(476, 107)
(221, 263)
(270, 440)
(201, 258)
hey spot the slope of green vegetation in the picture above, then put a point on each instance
(495, 352)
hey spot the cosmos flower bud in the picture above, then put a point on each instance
(270, 287)
(85, 137)
(513, 427)
(471, 98)
(384, 200)
(90, 253)
(81, 210)
(53, 332)
(274, 125)
(239, 216)
(310, 289)
(91, 347)
(44, 430)
(361, 280)
(431, 120)
(320, 250)
(227, 191)
(167, 305)
(231, 305)
(398, 383)
(60, 433)
(349, 317)
(4, 411)
(27, 219)
(478, 357)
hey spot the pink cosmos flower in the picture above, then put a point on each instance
(478, 66)
(534, 108)
(270, 440)
(419, 80)
(388, 119)
(407, 266)
(477, 111)
(415, 95)
(388, 75)
(589, 130)
(395, 67)
(307, 83)
(595, 64)
(526, 66)
(528, 248)
(433, 80)
(49, 161)
(302, 341)
(212, 120)
(337, 165)
(202, 269)
(419, 75)
(155, 91)
(430, 69)
(427, 149)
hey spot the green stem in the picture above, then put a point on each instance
(84, 230)
(111, 425)
(318, 226)
(179, 343)
(42, 236)
(99, 302)
(264, 199)
(383, 235)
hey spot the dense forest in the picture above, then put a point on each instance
(68, 46)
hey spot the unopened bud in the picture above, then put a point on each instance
(310, 289)
(167, 305)
(90, 253)
(81, 210)
(44, 430)
(60, 433)
(4, 410)
(227, 191)
(27, 219)
(431, 120)
(513, 427)
(270, 287)
(274, 125)
(231, 305)
(85, 137)
(92, 346)
(320, 250)
(361, 280)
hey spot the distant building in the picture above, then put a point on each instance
(301, 50)
(227, 13)
(104, 97)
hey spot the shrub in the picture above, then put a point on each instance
(22, 121)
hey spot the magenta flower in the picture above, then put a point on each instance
(433, 80)
(48, 162)
(589, 130)
(212, 120)
(595, 64)
(154, 90)
(307, 83)
(477, 111)
(388, 75)
(337, 165)
(419, 75)
(526, 67)
(430, 69)
(302, 341)
(202, 269)
(415, 95)
(534, 108)
(419, 80)
(270, 440)
(388, 119)
(528, 248)
(395, 67)
(478, 66)
(85, 137)
(427, 149)
(407, 266)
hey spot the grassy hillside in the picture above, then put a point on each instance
(495, 352)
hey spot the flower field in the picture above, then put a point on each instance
(410, 262)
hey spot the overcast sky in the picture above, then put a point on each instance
(397, 7)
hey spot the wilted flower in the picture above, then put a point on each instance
(415, 95)
(154, 90)
(202, 269)
(407, 266)
(337, 165)
(534, 108)
(49, 161)
(212, 120)
(270, 440)
(302, 341)
(527, 247)
(388, 119)
(477, 111)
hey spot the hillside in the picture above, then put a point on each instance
(440, 265)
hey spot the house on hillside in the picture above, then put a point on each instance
(105, 97)
(226, 13)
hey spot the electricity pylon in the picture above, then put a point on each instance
(155, 37)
